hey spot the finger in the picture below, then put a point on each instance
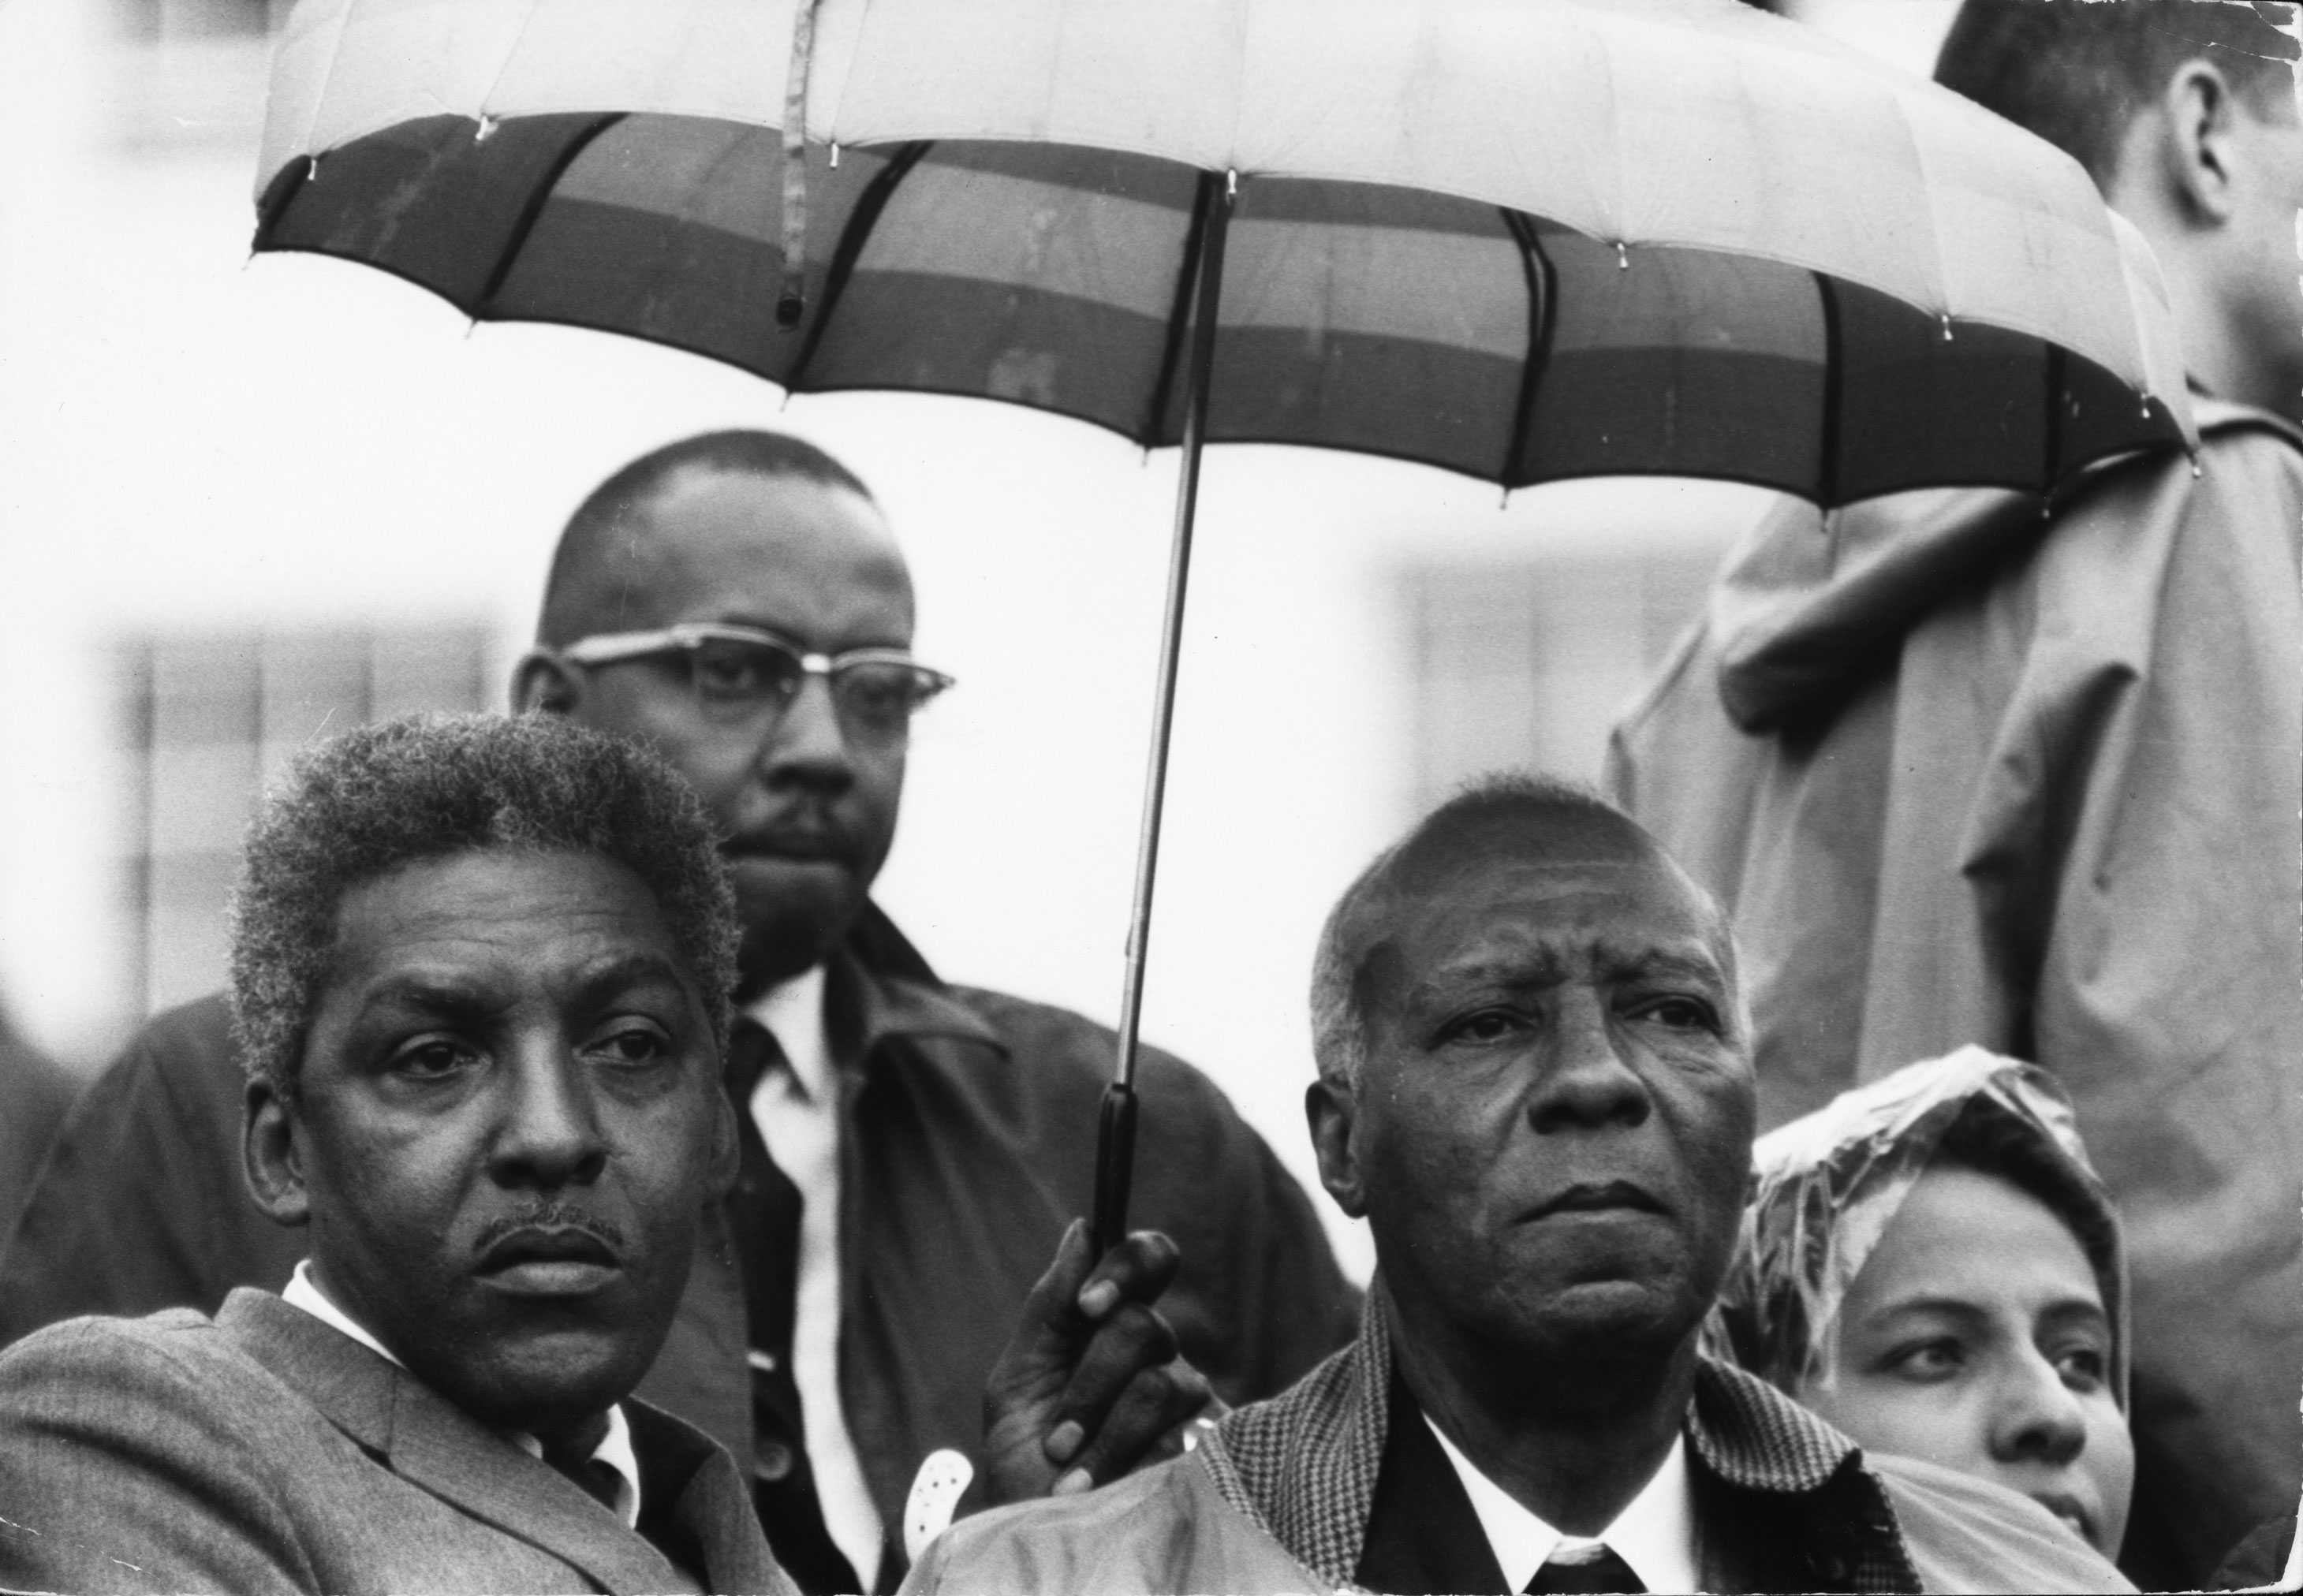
(1137, 1270)
(1048, 1316)
(1144, 1424)
(1133, 1341)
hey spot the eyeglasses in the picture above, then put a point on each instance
(742, 675)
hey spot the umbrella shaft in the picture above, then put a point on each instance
(1215, 212)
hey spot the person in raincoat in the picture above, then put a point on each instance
(1930, 1262)
(1969, 768)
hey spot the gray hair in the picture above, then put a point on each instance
(1338, 1011)
(424, 787)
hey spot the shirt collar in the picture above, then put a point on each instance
(1654, 1534)
(792, 1012)
(615, 1449)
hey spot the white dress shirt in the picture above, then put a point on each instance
(615, 1447)
(1654, 1534)
(798, 1111)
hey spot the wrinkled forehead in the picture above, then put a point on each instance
(1578, 896)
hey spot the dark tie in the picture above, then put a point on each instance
(764, 1213)
(575, 1460)
(1605, 1573)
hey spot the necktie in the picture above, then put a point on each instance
(764, 1214)
(575, 1457)
(1606, 1572)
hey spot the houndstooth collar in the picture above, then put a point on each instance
(1303, 1464)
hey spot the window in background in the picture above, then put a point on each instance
(190, 74)
(1531, 664)
(209, 719)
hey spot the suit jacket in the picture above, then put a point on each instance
(264, 1451)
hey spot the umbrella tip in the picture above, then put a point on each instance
(1947, 327)
(789, 309)
(1623, 256)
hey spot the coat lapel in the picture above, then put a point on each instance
(430, 1442)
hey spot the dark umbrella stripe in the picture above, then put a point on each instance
(1353, 317)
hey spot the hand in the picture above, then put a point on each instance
(1089, 1387)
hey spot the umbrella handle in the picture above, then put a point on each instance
(1116, 1132)
(1115, 1164)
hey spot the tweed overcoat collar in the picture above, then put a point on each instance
(1303, 1465)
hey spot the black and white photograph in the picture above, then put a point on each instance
(937, 797)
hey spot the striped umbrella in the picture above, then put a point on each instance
(1522, 240)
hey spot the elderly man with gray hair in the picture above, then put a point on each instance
(1535, 1085)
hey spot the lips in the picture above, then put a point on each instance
(2069, 1510)
(807, 845)
(1597, 1197)
(549, 1260)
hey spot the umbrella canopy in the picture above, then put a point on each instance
(1526, 241)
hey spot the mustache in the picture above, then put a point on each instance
(553, 1215)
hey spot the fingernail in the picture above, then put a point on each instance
(1096, 1301)
(1064, 1439)
(1073, 1483)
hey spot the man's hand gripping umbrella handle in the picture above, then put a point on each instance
(1115, 1167)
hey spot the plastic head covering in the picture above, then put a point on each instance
(1825, 1186)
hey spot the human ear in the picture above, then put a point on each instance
(543, 681)
(271, 1149)
(2201, 150)
(1332, 1112)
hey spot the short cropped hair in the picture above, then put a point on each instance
(2077, 73)
(1339, 999)
(741, 451)
(404, 792)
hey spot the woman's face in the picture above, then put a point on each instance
(1976, 1337)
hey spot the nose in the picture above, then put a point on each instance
(1581, 1081)
(549, 1138)
(2035, 1417)
(807, 746)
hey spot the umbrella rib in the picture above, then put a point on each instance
(1542, 321)
(539, 195)
(853, 236)
(2051, 441)
(1179, 313)
(1834, 382)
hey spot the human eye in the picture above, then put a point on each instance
(2083, 1368)
(630, 1044)
(1677, 1011)
(432, 1058)
(1929, 1361)
(730, 672)
(879, 696)
(1483, 1026)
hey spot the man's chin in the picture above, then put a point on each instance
(542, 1384)
(793, 912)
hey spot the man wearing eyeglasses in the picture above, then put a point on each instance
(914, 1151)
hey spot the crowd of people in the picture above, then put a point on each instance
(584, 1185)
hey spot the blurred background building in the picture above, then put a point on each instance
(248, 504)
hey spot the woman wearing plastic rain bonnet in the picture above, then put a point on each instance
(1930, 1264)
